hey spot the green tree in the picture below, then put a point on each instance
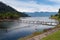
(59, 13)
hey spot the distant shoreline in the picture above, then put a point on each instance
(7, 20)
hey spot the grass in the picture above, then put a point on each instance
(54, 36)
(30, 36)
(55, 17)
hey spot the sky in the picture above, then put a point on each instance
(34, 5)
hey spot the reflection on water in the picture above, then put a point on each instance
(16, 29)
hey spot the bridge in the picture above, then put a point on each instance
(38, 22)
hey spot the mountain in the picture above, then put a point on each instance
(8, 12)
(41, 14)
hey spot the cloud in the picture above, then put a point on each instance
(30, 6)
(56, 1)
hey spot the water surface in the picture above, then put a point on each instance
(17, 29)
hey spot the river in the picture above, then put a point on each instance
(17, 29)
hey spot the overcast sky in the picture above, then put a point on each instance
(34, 5)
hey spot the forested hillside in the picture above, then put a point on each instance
(7, 12)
